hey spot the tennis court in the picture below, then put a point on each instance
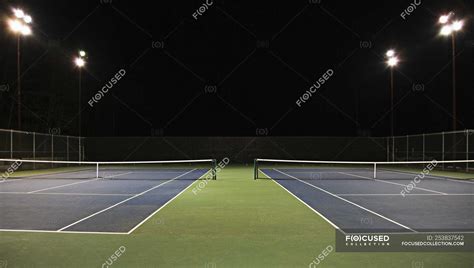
(106, 197)
(357, 197)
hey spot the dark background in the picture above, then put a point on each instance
(238, 69)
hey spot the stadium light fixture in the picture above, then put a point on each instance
(450, 26)
(392, 62)
(19, 25)
(80, 62)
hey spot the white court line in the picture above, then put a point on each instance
(304, 203)
(10, 180)
(429, 176)
(71, 194)
(405, 195)
(56, 232)
(345, 200)
(121, 202)
(75, 183)
(169, 201)
(394, 183)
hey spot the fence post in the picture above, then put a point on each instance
(34, 149)
(408, 148)
(52, 147)
(388, 149)
(67, 148)
(79, 149)
(423, 146)
(11, 144)
(467, 149)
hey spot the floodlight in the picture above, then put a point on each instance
(446, 30)
(80, 62)
(393, 61)
(457, 25)
(19, 13)
(390, 53)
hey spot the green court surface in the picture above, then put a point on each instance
(234, 221)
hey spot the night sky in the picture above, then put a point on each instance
(238, 69)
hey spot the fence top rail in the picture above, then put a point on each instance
(362, 162)
(437, 133)
(111, 162)
(37, 133)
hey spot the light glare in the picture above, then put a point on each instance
(19, 13)
(79, 62)
(27, 19)
(457, 25)
(15, 26)
(390, 53)
(82, 53)
(393, 61)
(444, 19)
(25, 30)
(446, 30)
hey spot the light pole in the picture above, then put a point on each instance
(80, 62)
(449, 28)
(392, 61)
(19, 25)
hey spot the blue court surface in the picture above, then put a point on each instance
(354, 202)
(65, 202)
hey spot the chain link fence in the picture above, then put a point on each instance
(456, 145)
(39, 146)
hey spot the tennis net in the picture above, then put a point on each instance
(11, 169)
(347, 170)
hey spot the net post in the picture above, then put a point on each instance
(214, 169)
(255, 169)
(97, 170)
(375, 170)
